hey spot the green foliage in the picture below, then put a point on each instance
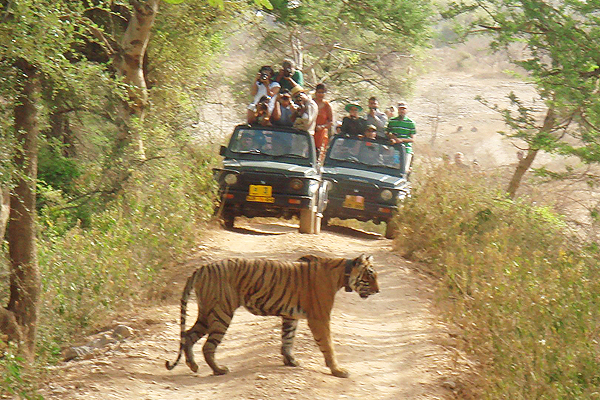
(14, 380)
(524, 295)
(357, 46)
(55, 169)
(115, 261)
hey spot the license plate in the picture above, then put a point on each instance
(355, 202)
(260, 193)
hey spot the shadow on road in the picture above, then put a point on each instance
(354, 232)
(265, 229)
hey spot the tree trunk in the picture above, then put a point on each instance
(130, 61)
(522, 167)
(24, 274)
(525, 163)
(297, 49)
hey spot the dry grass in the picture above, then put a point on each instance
(523, 292)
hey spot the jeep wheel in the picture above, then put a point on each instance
(228, 221)
(390, 229)
(307, 221)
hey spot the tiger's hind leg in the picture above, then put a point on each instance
(189, 338)
(288, 332)
(218, 324)
(322, 334)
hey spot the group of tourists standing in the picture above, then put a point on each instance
(279, 99)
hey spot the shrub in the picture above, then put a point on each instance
(15, 381)
(88, 272)
(524, 293)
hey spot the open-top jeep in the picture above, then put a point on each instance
(271, 172)
(366, 179)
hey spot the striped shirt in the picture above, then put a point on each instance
(404, 129)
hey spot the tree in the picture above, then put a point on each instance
(24, 277)
(354, 45)
(51, 55)
(561, 56)
(35, 37)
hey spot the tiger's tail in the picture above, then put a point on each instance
(184, 299)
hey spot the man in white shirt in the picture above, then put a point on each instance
(306, 115)
(376, 117)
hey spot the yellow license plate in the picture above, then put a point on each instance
(355, 202)
(260, 193)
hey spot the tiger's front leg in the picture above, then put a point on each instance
(321, 332)
(288, 332)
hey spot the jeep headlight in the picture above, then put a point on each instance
(386, 195)
(296, 184)
(230, 179)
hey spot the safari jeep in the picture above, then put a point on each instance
(270, 172)
(365, 178)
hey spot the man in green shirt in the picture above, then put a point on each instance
(289, 76)
(403, 129)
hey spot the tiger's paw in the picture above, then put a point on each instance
(290, 361)
(340, 373)
(220, 370)
(193, 366)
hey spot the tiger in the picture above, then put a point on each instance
(304, 289)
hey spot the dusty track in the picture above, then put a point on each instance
(391, 343)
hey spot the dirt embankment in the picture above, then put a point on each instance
(392, 343)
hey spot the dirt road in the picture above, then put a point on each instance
(392, 343)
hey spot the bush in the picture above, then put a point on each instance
(524, 293)
(88, 272)
(15, 381)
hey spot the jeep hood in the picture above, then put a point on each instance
(270, 166)
(372, 177)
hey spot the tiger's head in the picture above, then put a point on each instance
(361, 276)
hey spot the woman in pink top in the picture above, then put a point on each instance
(324, 120)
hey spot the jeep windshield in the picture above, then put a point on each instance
(366, 154)
(271, 144)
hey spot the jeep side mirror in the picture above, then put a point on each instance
(223, 150)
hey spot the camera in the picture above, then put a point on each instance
(263, 76)
(287, 72)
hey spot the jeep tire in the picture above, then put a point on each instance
(228, 220)
(307, 221)
(390, 229)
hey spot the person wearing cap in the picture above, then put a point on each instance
(306, 113)
(376, 117)
(288, 76)
(353, 125)
(402, 130)
(371, 132)
(369, 152)
(284, 109)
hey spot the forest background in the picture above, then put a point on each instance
(108, 139)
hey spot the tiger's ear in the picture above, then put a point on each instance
(309, 258)
(362, 259)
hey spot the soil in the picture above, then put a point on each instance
(392, 343)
